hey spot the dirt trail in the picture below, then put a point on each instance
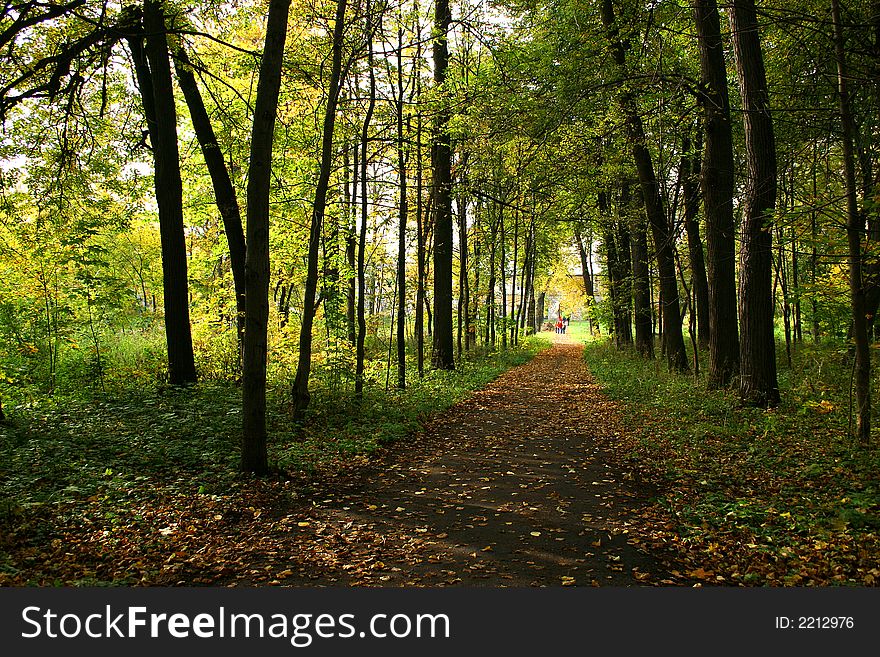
(508, 488)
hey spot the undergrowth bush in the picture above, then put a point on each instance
(753, 491)
(78, 444)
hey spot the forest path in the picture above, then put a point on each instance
(507, 488)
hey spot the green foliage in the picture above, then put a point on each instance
(65, 449)
(781, 481)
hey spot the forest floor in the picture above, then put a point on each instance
(536, 479)
(511, 487)
(514, 486)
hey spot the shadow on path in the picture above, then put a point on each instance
(508, 488)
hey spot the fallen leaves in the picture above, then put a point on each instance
(387, 523)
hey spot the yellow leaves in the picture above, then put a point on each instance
(822, 408)
(535, 533)
(568, 581)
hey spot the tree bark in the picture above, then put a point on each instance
(420, 255)
(642, 290)
(224, 192)
(854, 229)
(401, 219)
(585, 265)
(716, 183)
(758, 383)
(464, 265)
(673, 339)
(351, 250)
(624, 261)
(539, 312)
(690, 176)
(153, 69)
(253, 441)
(360, 353)
(490, 293)
(503, 278)
(441, 165)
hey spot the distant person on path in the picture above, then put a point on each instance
(559, 324)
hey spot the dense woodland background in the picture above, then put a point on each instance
(339, 217)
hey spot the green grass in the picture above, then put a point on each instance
(784, 480)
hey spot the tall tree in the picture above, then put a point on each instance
(441, 169)
(663, 239)
(401, 218)
(301, 395)
(360, 347)
(854, 229)
(153, 70)
(642, 289)
(253, 440)
(716, 184)
(224, 192)
(585, 264)
(758, 383)
(690, 175)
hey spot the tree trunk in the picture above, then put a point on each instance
(782, 280)
(351, 250)
(513, 315)
(716, 183)
(796, 286)
(362, 240)
(153, 69)
(503, 278)
(461, 319)
(401, 219)
(624, 279)
(441, 165)
(758, 383)
(642, 290)
(300, 390)
(420, 255)
(464, 280)
(673, 339)
(253, 440)
(612, 269)
(690, 176)
(490, 293)
(539, 312)
(854, 228)
(224, 192)
(585, 265)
